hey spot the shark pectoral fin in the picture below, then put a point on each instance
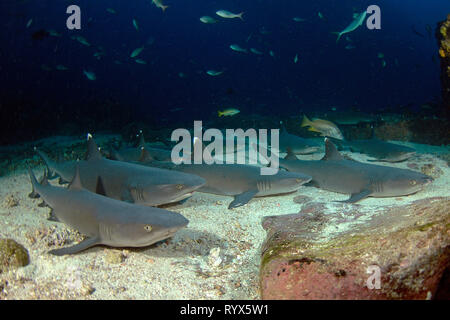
(52, 216)
(83, 245)
(243, 198)
(355, 197)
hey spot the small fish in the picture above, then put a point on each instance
(53, 33)
(237, 48)
(159, 4)
(29, 23)
(358, 19)
(136, 52)
(214, 73)
(228, 112)
(60, 67)
(229, 15)
(135, 24)
(117, 62)
(181, 75)
(249, 37)
(98, 55)
(255, 51)
(140, 61)
(111, 10)
(272, 54)
(297, 19)
(208, 19)
(380, 55)
(320, 15)
(296, 58)
(81, 40)
(349, 47)
(90, 75)
(383, 63)
(325, 127)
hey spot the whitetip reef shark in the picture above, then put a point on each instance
(361, 180)
(378, 149)
(103, 220)
(241, 181)
(128, 181)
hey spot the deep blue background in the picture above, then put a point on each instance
(326, 75)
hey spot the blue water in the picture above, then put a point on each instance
(326, 74)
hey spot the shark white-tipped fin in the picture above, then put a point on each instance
(331, 153)
(93, 152)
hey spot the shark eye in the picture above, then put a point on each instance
(413, 182)
(148, 228)
(179, 186)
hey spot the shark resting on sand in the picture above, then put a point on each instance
(125, 181)
(361, 180)
(104, 220)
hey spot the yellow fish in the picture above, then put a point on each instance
(324, 127)
(159, 4)
(228, 112)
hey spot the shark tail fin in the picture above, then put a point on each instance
(290, 155)
(240, 15)
(163, 7)
(220, 113)
(35, 184)
(48, 163)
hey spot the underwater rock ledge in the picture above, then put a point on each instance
(443, 38)
(302, 259)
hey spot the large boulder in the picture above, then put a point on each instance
(340, 251)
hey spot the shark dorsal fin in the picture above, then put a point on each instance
(93, 152)
(290, 155)
(100, 187)
(373, 136)
(145, 155)
(282, 127)
(75, 184)
(331, 153)
(141, 139)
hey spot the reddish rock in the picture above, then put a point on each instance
(304, 258)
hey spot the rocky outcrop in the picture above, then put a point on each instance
(342, 252)
(443, 37)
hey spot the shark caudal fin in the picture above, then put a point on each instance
(240, 16)
(35, 185)
(50, 165)
(339, 35)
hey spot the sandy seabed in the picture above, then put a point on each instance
(216, 256)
